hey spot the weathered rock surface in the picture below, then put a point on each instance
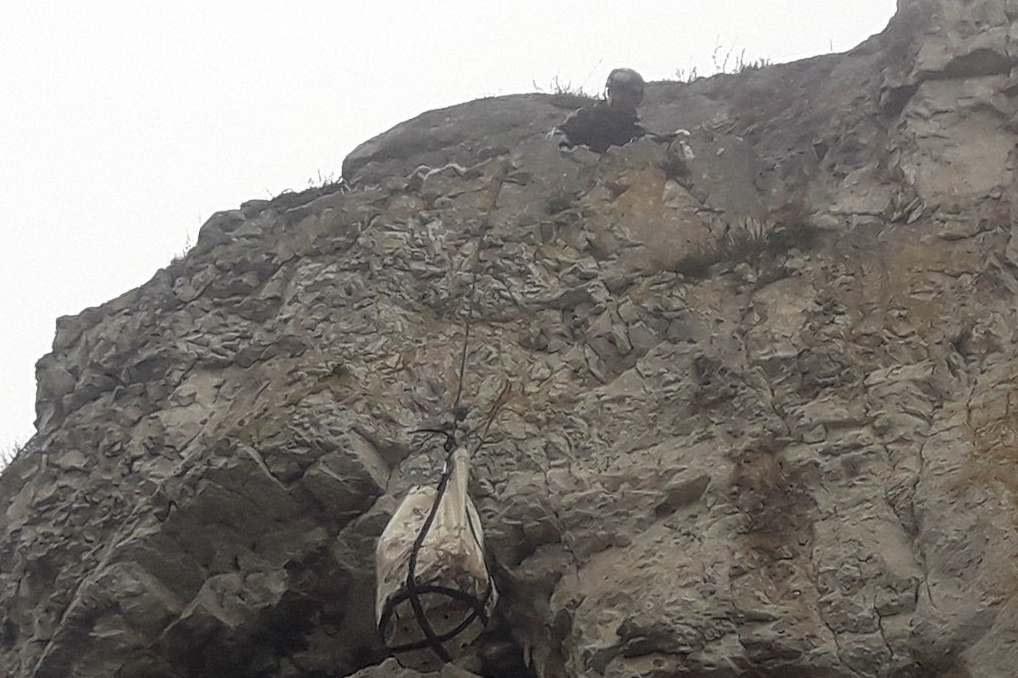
(791, 456)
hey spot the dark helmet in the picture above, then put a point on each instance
(624, 80)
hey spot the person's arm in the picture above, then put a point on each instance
(576, 128)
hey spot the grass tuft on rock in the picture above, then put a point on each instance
(747, 242)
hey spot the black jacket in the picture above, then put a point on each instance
(599, 126)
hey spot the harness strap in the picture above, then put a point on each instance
(477, 612)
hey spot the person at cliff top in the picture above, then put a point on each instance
(611, 122)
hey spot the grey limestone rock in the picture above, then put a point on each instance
(785, 450)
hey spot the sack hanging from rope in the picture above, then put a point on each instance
(434, 594)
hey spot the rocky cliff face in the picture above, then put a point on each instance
(763, 417)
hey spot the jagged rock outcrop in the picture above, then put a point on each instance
(762, 418)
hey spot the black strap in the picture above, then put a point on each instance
(477, 612)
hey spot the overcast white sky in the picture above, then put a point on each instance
(124, 125)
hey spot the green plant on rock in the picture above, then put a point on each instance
(748, 241)
(10, 452)
(724, 62)
(566, 94)
(563, 88)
